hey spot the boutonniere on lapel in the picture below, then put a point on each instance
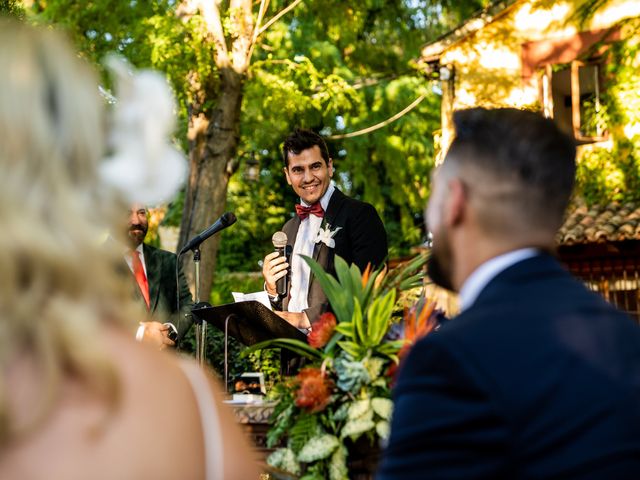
(325, 235)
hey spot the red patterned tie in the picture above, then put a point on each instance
(141, 278)
(315, 209)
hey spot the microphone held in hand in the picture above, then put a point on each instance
(279, 240)
(226, 220)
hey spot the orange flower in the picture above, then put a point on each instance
(365, 275)
(418, 324)
(314, 391)
(322, 330)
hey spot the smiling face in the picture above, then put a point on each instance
(309, 174)
(138, 224)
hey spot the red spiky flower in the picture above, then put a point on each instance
(322, 330)
(314, 390)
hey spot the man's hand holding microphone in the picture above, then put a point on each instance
(275, 270)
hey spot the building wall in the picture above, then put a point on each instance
(490, 66)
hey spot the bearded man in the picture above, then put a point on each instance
(537, 377)
(154, 273)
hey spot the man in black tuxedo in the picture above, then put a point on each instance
(154, 272)
(537, 377)
(327, 223)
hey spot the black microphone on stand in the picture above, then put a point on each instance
(226, 220)
(279, 240)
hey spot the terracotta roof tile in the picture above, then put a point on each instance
(601, 223)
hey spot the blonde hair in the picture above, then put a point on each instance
(58, 281)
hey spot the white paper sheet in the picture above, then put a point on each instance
(261, 297)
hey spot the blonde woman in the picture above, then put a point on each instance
(79, 398)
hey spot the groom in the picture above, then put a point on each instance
(537, 377)
(327, 223)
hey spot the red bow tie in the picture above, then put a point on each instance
(315, 209)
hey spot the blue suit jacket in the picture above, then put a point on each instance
(540, 378)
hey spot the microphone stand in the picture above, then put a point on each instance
(201, 330)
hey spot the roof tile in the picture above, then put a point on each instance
(600, 223)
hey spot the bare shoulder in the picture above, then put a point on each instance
(154, 430)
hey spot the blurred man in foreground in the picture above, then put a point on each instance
(537, 377)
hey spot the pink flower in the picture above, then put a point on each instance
(322, 330)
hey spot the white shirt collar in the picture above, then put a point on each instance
(324, 201)
(481, 276)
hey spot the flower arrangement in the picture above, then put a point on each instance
(341, 400)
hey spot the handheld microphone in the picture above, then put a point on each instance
(226, 220)
(279, 240)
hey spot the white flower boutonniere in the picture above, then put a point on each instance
(325, 235)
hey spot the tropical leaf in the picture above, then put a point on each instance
(355, 428)
(392, 347)
(358, 322)
(344, 277)
(338, 297)
(360, 409)
(318, 448)
(295, 346)
(379, 317)
(383, 429)
(338, 465)
(357, 282)
(284, 459)
(351, 348)
(346, 328)
(383, 407)
(332, 343)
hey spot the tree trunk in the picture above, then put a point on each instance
(212, 162)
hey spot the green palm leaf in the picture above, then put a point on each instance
(295, 346)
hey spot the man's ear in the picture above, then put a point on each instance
(457, 202)
(286, 175)
(330, 165)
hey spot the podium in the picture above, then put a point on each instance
(248, 322)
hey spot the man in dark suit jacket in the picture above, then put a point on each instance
(327, 223)
(537, 377)
(154, 273)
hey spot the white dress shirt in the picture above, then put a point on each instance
(481, 276)
(305, 243)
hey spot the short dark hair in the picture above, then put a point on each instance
(521, 149)
(302, 139)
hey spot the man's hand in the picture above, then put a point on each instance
(274, 268)
(157, 334)
(297, 319)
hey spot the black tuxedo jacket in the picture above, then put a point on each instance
(361, 240)
(161, 276)
(539, 378)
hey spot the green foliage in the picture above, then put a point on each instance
(345, 379)
(11, 8)
(608, 174)
(332, 65)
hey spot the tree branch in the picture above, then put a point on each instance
(277, 16)
(211, 14)
(384, 123)
(242, 21)
(264, 4)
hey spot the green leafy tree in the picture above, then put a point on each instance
(245, 72)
